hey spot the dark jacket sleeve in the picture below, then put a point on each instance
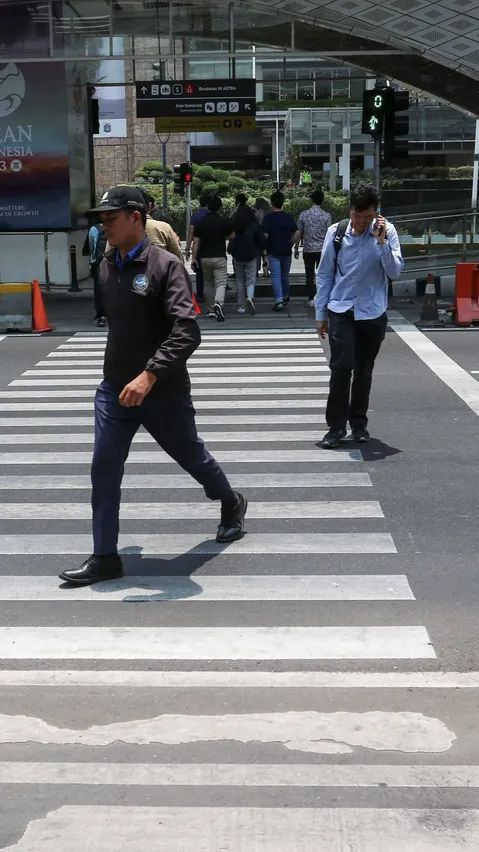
(185, 335)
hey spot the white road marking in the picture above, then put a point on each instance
(195, 362)
(89, 393)
(200, 405)
(244, 380)
(445, 368)
(204, 829)
(199, 587)
(308, 731)
(220, 419)
(215, 643)
(165, 480)
(195, 543)
(192, 511)
(241, 775)
(282, 368)
(233, 437)
(159, 457)
(2, 336)
(67, 351)
(170, 679)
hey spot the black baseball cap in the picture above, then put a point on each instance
(120, 198)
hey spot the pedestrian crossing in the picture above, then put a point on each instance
(272, 695)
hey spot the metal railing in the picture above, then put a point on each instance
(438, 240)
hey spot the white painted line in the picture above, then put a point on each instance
(475, 372)
(301, 587)
(201, 405)
(445, 368)
(237, 419)
(196, 380)
(107, 828)
(170, 679)
(36, 438)
(307, 731)
(2, 336)
(271, 510)
(195, 362)
(241, 775)
(204, 351)
(298, 334)
(214, 643)
(159, 457)
(281, 368)
(196, 543)
(183, 481)
(89, 393)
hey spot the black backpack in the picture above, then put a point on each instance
(338, 239)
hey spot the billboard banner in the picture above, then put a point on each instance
(34, 147)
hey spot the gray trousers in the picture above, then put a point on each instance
(215, 276)
(245, 279)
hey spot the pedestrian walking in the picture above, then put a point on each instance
(312, 228)
(97, 247)
(158, 232)
(261, 208)
(152, 331)
(209, 247)
(246, 247)
(280, 228)
(196, 218)
(360, 256)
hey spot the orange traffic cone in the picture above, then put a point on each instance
(39, 315)
(196, 305)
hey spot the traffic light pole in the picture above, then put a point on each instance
(188, 208)
(377, 165)
(165, 182)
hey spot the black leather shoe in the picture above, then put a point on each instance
(361, 435)
(231, 527)
(333, 438)
(94, 570)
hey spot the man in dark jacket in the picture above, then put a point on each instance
(152, 331)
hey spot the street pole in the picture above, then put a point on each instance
(377, 165)
(475, 177)
(277, 151)
(188, 208)
(165, 181)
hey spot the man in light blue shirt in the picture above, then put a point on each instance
(351, 302)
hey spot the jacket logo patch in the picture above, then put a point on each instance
(140, 283)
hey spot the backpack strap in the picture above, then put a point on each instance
(338, 239)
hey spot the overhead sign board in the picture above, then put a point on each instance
(194, 105)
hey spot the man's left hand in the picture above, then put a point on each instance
(135, 391)
(380, 230)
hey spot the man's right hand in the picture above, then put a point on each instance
(322, 328)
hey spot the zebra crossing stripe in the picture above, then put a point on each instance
(176, 829)
(237, 419)
(215, 643)
(241, 775)
(159, 457)
(90, 350)
(202, 543)
(283, 368)
(221, 679)
(195, 362)
(141, 437)
(205, 587)
(290, 392)
(183, 481)
(198, 510)
(243, 381)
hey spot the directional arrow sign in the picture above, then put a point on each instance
(144, 90)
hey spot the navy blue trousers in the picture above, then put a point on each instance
(171, 422)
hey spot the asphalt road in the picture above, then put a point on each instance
(315, 686)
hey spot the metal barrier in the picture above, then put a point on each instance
(16, 307)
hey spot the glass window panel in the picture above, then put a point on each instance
(24, 29)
